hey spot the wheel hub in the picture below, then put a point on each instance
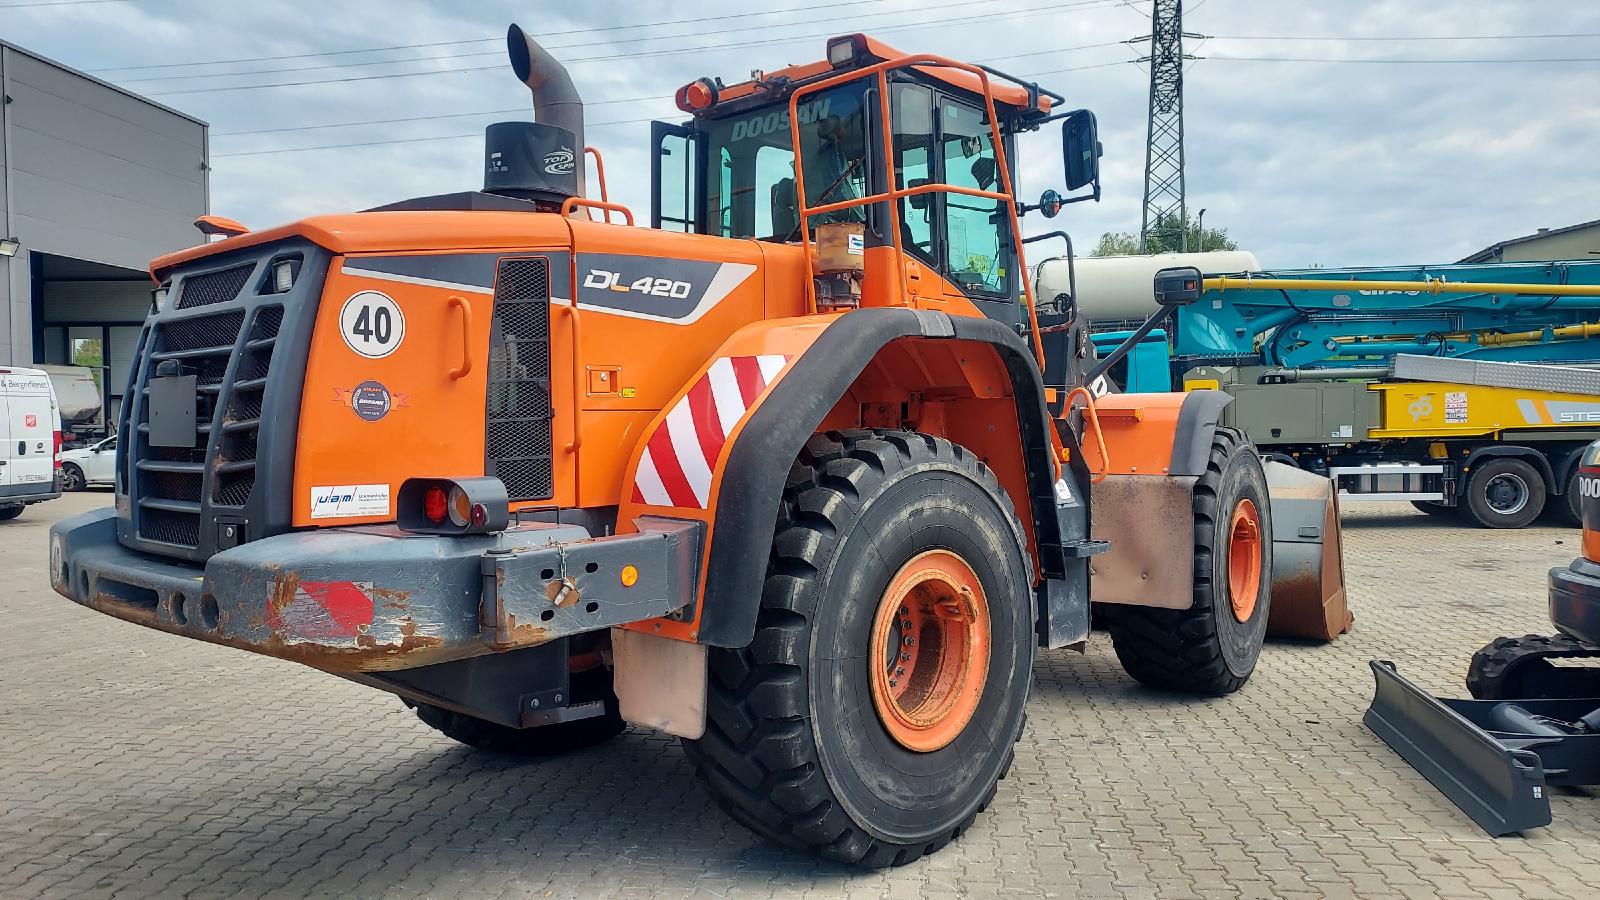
(1244, 559)
(1507, 494)
(930, 650)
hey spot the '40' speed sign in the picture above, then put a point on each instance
(372, 324)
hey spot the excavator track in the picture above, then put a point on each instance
(1512, 668)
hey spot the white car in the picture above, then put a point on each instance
(94, 464)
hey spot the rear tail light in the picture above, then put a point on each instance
(58, 448)
(452, 506)
(433, 504)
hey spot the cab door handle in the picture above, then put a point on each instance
(465, 368)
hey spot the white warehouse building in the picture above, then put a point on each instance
(96, 182)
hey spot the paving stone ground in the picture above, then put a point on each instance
(136, 764)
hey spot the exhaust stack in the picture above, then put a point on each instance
(555, 97)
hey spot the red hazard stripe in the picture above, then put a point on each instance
(707, 427)
(672, 478)
(748, 371)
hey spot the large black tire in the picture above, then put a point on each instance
(1205, 649)
(1567, 510)
(72, 478)
(1505, 492)
(794, 747)
(547, 740)
(11, 512)
(1434, 508)
(1511, 668)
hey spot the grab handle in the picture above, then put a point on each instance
(465, 368)
(1094, 423)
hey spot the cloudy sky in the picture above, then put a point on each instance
(1303, 158)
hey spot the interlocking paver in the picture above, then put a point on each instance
(135, 764)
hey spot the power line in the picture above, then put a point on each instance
(251, 59)
(479, 134)
(60, 3)
(483, 40)
(390, 62)
(1023, 13)
(1417, 37)
(1405, 60)
(501, 112)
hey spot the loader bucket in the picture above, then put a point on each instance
(1308, 598)
(1502, 788)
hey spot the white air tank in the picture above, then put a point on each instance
(1115, 288)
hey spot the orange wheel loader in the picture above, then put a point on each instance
(782, 474)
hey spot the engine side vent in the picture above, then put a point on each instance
(518, 443)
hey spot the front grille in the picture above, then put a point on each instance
(247, 351)
(213, 287)
(518, 441)
(171, 479)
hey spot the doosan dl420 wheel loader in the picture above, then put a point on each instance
(780, 474)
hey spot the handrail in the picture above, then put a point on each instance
(600, 172)
(577, 373)
(1094, 422)
(572, 203)
(465, 368)
(1007, 195)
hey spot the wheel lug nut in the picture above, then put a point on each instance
(899, 670)
(905, 657)
(910, 642)
(893, 683)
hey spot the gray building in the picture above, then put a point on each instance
(97, 181)
(1580, 241)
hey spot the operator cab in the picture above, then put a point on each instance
(730, 171)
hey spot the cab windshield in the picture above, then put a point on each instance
(750, 164)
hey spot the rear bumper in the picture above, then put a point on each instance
(1575, 600)
(370, 599)
(12, 494)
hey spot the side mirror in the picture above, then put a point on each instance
(1049, 204)
(1178, 286)
(1080, 149)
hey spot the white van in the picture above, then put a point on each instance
(30, 440)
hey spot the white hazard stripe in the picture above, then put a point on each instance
(686, 445)
(649, 482)
(680, 456)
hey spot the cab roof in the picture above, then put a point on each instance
(1006, 92)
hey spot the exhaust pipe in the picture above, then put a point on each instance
(555, 97)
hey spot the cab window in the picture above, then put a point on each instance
(751, 192)
(941, 139)
(976, 242)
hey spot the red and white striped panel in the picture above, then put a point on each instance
(680, 456)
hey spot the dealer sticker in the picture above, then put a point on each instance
(371, 400)
(349, 500)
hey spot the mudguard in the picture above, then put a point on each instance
(801, 368)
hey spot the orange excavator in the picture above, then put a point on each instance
(796, 473)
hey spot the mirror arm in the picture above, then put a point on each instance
(1139, 334)
(1095, 196)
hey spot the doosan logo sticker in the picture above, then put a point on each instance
(371, 400)
(348, 500)
(560, 162)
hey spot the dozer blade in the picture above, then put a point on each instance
(1501, 788)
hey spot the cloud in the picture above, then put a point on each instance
(1338, 164)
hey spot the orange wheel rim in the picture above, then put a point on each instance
(930, 650)
(1244, 560)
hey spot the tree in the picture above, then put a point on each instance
(1165, 237)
